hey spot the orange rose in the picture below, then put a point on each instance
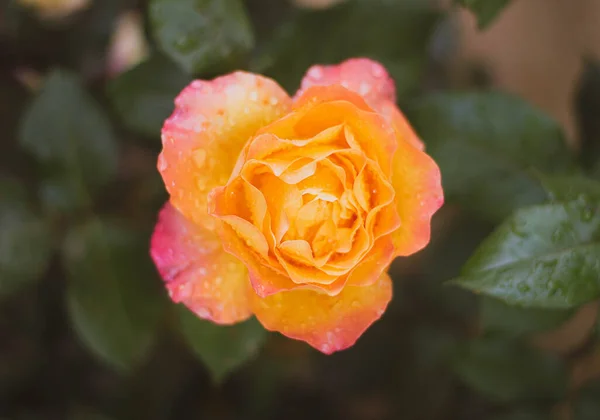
(292, 209)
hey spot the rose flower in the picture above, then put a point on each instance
(292, 209)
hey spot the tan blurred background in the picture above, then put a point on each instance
(535, 49)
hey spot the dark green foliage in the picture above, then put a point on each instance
(201, 35)
(488, 146)
(87, 329)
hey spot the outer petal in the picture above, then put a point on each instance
(419, 195)
(369, 79)
(197, 271)
(366, 77)
(328, 323)
(205, 134)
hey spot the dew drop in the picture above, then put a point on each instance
(377, 71)
(162, 163)
(273, 101)
(315, 73)
(253, 96)
(202, 313)
(586, 214)
(218, 280)
(232, 266)
(364, 88)
(200, 158)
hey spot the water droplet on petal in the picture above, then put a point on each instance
(162, 163)
(253, 96)
(200, 157)
(377, 71)
(218, 280)
(202, 313)
(364, 88)
(315, 73)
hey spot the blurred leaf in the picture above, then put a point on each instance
(543, 256)
(486, 11)
(67, 132)
(486, 144)
(397, 36)
(508, 371)
(570, 187)
(497, 316)
(144, 96)
(201, 35)
(222, 348)
(114, 296)
(62, 194)
(587, 106)
(587, 404)
(25, 239)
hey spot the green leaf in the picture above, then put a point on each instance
(114, 297)
(486, 11)
(144, 96)
(587, 404)
(69, 135)
(202, 35)
(486, 145)
(544, 256)
(398, 35)
(508, 371)
(570, 187)
(497, 316)
(25, 239)
(587, 107)
(222, 348)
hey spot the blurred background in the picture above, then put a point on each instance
(86, 328)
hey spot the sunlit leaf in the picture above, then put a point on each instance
(545, 256)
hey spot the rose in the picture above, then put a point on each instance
(292, 209)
